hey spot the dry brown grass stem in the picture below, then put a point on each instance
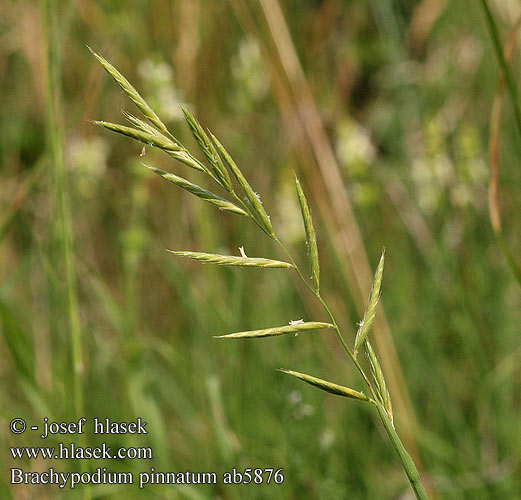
(494, 158)
(495, 121)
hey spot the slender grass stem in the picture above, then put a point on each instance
(405, 458)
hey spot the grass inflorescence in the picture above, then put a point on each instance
(247, 202)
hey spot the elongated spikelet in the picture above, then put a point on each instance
(232, 260)
(279, 330)
(200, 192)
(157, 140)
(336, 389)
(256, 205)
(311, 237)
(378, 377)
(187, 159)
(370, 311)
(146, 127)
(208, 149)
(131, 92)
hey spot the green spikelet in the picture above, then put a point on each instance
(311, 238)
(370, 311)
(279, 330)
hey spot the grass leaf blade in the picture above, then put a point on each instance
(338, 390)
(279, 330)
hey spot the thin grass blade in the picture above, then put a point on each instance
(370, 312)
(338, 390)
(208, 149)
(311, 237)
(131, 92)
(279, 330)
(253, 198)
(198, 191)
(232, 260)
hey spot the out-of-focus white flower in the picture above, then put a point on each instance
(355, 148)
(461, 176)
(300, 409)
(326, 439)
(289, 218)
(87, 160)
(251, 78)
(161, 91)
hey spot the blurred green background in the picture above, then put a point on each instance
(383, 109)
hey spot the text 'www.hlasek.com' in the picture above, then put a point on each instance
(79, 453)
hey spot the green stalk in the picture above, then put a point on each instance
(62, 229)
(407, 462)
(498, 47)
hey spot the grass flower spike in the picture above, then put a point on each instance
(249, 205)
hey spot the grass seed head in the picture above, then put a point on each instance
(295, 328)
(311, 238)
(338, 390)
(131, 92)
(200, 192)
(157, 140)
(232, 260)
(379, 379)
(370, 311)
(255, 203)
(208, 150)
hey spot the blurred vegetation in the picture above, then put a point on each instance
(404, 92)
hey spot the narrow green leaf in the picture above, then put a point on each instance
(157, 140)
(378, 377)
(198, 191)
(253, 198)
(336, 389)
(311, 237)
(370, 311)
(131, 92)
(232, 260)
(208, 149)
(294, 327)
